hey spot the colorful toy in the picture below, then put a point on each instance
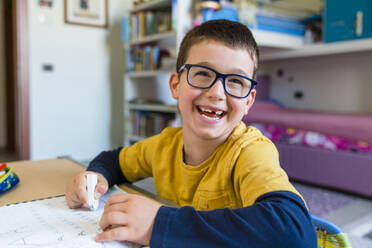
(8, 179)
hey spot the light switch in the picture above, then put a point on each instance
(48, 67)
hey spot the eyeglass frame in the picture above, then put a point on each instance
(218, 75)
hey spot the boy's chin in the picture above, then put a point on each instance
(211, 135)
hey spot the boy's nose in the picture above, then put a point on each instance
(216, 91)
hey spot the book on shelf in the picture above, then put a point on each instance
(174, 15)
(141, 27)
(143, 58)
(281, 25)
(273, 18)
(150, 58)
(150, 22)
(124, 29)
(149, 123)
(129, 59)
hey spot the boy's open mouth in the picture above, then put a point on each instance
(210, 113)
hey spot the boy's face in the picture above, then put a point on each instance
(211, 113)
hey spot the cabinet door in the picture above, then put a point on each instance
(347, 20)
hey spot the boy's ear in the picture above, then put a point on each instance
(250, 100)
(174, 83)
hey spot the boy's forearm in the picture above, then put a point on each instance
(107, 163)
(277, 219)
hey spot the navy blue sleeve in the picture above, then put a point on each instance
(107, 163)
(277, 219)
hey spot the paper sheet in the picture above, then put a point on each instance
(50, 223)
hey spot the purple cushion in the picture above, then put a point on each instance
(349, 126)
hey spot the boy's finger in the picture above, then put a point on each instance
(113, 218)
(72, 202)
(119, 198)
(82, 193)
(101, 189)
(121, 207)
(117, 233)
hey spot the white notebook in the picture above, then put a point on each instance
(51, 223)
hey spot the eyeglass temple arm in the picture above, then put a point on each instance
(181, 68)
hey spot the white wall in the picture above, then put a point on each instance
(76, 109)
(331, 83)
(2, 79)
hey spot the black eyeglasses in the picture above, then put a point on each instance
(203, 77)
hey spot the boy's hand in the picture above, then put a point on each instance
(76, 191)
(128, 217)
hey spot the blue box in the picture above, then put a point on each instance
(343, 17)
(124, 29)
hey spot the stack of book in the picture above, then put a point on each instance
(274, 18)
(143, 58)
(147, 123)
(280, 24)
(149, 22)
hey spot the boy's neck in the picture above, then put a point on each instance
(196, 150)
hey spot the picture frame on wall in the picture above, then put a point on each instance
(92, 13)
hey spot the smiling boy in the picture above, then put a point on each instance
(225, 176)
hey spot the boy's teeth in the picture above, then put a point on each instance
(206, 110)
(211, 111)
(212, 118)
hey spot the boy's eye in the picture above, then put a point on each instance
(202, 73)
(235, 82)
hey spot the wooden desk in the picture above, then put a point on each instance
(40, 179)
(49, 178)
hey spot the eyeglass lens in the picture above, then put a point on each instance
(203, 78)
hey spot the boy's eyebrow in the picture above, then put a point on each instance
(235, 70)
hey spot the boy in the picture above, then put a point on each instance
(226, 177)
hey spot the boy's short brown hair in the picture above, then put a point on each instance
(232, 34)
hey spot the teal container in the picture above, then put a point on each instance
(347, 20)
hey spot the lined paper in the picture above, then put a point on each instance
(51, 223)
